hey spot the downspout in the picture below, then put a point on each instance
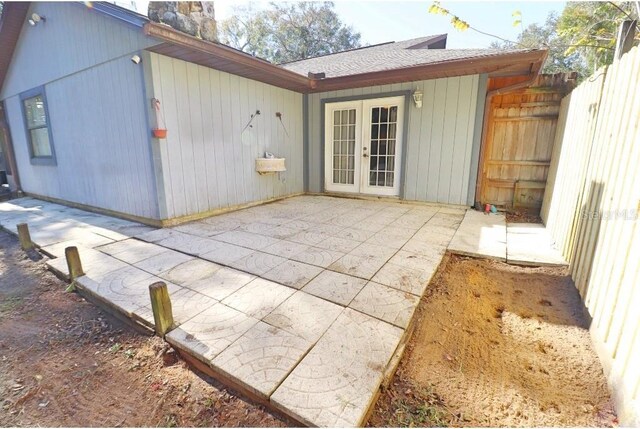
(6, 135)
(485, 124)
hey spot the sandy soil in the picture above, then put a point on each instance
(65, 363)
(498, 345)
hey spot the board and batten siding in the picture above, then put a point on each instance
(73, 38)
(100, 137)
(207, 161)
(442, 138)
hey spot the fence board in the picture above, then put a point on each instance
(591, 208)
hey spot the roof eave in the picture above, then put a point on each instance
(223, 58)
(511, 64)
(13, 17)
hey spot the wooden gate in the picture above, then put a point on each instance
(517, 147)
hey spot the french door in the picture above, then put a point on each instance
(363, 146)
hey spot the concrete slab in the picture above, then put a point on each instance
(304, 315)
(481, 235)
(162, 262)
(356, 234)
(406, 279)
(126, 289)
(258, 298)
(317, 256)
(428, 250)
(203, 229)
(413, 260)
(300, 349)
(207, 334)
(531, 244)
(190, 271)
(338, 244)
(335, 287)
(293, 274)
(285, 249)
(185, 304)
(246, 239)
(93, 262)
(336, 381)
(261, 358)
(257, 263)
(358, 266)
(189, 244)
(221, 283)
(225, 253)
(385, 303)
(131, 250)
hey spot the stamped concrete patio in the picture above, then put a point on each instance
(303, 303)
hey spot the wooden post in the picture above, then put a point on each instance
(73, 262)
(25, 237)
(626, 35)
(161, 306)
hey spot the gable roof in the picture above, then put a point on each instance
(393, 62)
(389, 56)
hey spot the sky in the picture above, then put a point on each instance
(383, 21)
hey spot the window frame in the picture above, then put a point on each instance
(37, 159)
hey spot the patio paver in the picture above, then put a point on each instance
(302, 302)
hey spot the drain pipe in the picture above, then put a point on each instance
(485, 122)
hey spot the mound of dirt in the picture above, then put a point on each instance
(504, 346)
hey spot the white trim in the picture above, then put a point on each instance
(363, 132)
(365, 188)
(328, 153)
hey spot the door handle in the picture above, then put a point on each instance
(365, 155)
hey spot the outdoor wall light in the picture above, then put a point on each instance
(136, 59)
(35, 19)
(417, 98)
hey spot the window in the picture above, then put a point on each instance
(36, 121)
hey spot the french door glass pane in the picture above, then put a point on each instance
(383, 146)
(344, 134)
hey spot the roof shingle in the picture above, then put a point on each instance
(388, 56)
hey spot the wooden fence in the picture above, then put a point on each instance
(591, 207)
(517, 147)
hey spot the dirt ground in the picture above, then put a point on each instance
(494, 345)
(65, 363)
(498, 345)
(520, 216)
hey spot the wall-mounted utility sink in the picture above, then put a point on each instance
(270, 165)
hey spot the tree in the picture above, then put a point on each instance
(545, 35)
(590, 29)
(287, 32)
(581, 39)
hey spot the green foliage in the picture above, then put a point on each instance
(590, 29)
(286, 32)
(581, 39)
(545, 35)
(419, 407)
(457, 23)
